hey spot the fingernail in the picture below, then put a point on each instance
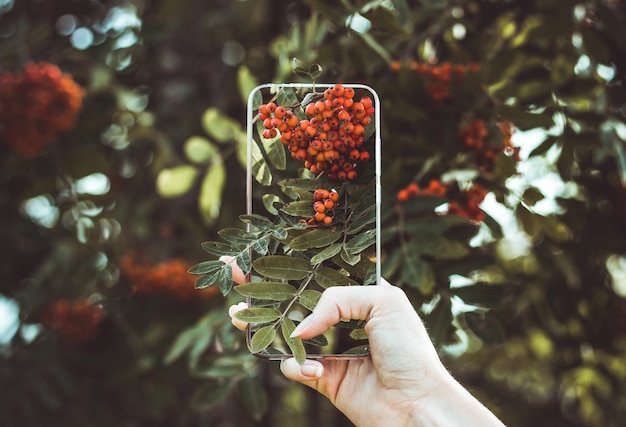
(312, 370)
(301, 326)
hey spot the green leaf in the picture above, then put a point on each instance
(210, 199)
(260, 169)
(351, 259)
(305, 184)
(183, 342)
(327, 253)
(280, 233)
(358, 334)
(258, 315)
(525, 120)
(225, 279)
(219, 249)
(422, 204)
(210, 394)
(482, 294)
(361, 242)
(318, 238)
(267, 290)
(268, 203)
(486, 327)
(219, 126)
(246, 82)
(309, 298)
(262, 338)
(417, 273)
(253, 396)
(237, 236)
(257, 221)
(300, 208)
(439, 322)
(361, 220)
(200, 150)
(175, 182)
(282, 267)
(205, 267)
(327, 277)
(532, 195)
(295, 344)
(274, 150)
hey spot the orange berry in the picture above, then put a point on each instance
(280, 112)
(348, 92)
(270, 107)
(269, 133)
(364, 156)
(343, 115)
(310, 131)
(341, 175)
(333, 195)
(320, 194)
(320, 216)
(328, 220)
(310, 109)
(351, 175)
(329, 204)
(337, 90)
(319, 206)
(292, 119)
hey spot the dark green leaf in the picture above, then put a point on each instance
(280, 233)
(532, 195)
(439, 322)
(361, 220)
(206, 267)
(295, 344)
(253, 396)
(318, 238)
(219, 249)
(309, 298)
(267, 290)
(282, 267)
(262, 338)
(300, 208)
(210, 394)
(327, 253)
(486, 327)
(351, 259)
(327, 277)
(361, 242)
(483, 295)
(257, 221)
(225, 279)
(258, 315)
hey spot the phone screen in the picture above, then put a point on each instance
(313, 205)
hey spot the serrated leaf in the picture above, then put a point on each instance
(205, 267)
(361, 242)
(327, 253)
(225, 279)
(267, 290)
(318, 238)
(295, 344)
(219, 249)
(327, 277)
(268, 203)
(309, 298)
(262, 338)
(282, 267)
(351, 259)
(299, 208)
(258, 314)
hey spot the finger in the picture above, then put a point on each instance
(354, 302)
(307, 373)
(238, 275)
(239, 324)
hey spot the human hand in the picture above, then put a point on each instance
(402, 383)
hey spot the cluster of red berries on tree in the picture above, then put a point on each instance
(331, 138)
(324, 204)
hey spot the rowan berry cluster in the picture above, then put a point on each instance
(434, 188)
(324, 204)
(76, 321)
(36, 105)
(331, 138)
(466, 203)
(475, 135)
(439, 77)
(469, 204)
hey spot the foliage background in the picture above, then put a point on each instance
(112, 213)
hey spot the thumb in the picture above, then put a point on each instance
(308, 373)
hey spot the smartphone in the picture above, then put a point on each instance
(313, 207)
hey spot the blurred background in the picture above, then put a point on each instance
(122, 128)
